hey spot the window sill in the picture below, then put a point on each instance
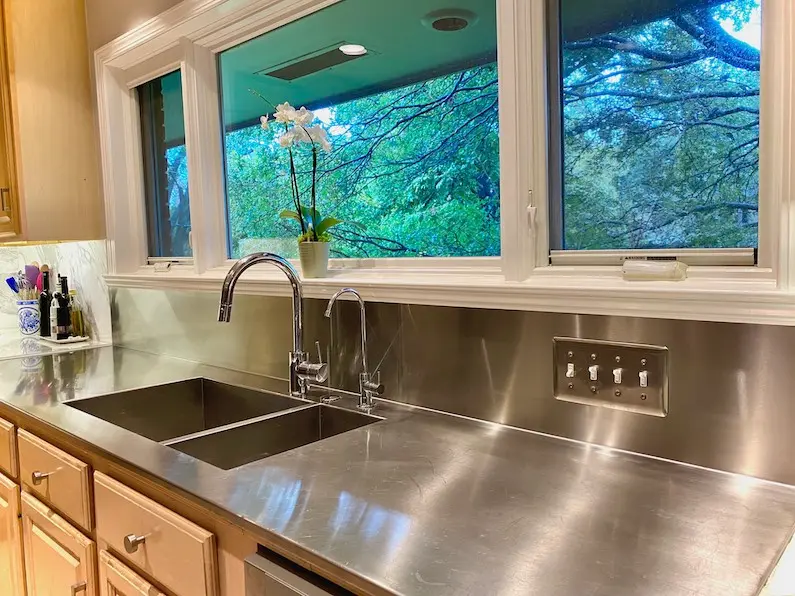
(724, 299)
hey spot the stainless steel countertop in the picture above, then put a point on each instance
(425, 504)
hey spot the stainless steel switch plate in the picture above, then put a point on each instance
(612, 362)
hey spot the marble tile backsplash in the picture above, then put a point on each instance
(84, 263)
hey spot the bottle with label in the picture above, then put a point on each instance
(78, 321)
(54, 313)
(64, 316)
(45, 298)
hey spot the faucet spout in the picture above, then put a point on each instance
(302, 370)
(368, 387)
(228, 291)
(362, 320)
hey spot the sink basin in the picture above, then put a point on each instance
(174, 410)
(233, 447)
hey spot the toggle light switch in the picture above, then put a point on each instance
(609, 374)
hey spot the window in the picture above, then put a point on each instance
(658, 141)
(165, 167)
(661, 128)
(412, 119)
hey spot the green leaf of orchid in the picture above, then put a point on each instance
(327, 224)
(290, 214)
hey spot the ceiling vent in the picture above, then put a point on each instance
(449, 19)
(311, 63)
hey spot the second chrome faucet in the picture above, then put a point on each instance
(369, 384)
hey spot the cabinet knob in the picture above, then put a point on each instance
(131, 542)
(79, 587)
(38, 477)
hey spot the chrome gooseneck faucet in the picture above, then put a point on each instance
(302, 371)
(369, 385)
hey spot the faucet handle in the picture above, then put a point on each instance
(319, 353)
(310, 371)
(373, 383)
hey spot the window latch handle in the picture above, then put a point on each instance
(531, 216)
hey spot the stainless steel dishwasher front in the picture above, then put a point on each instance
(268, 574)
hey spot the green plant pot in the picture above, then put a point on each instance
(314, 258)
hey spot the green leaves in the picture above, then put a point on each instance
(289, 214)
(318, 226)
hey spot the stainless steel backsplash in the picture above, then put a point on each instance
(731, 386)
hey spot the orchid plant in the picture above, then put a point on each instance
(298, 129)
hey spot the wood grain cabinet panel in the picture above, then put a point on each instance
(10, 223)
(172, 550)
(8, 448)
(56, 477)
(12, 579)
(59, 560)
(49, 87)
(115, 579)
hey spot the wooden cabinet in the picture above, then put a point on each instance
(56, 477)
(59, 560)
(115, 579)
(9, 208)
(49, 162)
(174, 551)
(8, 448)
(12, 580)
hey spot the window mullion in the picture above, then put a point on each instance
(515, 155)
(777, 143)
(204, 154)
(122, 171)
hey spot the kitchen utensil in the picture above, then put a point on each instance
(12, 283)
(31, 274)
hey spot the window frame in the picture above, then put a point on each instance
(565, 257)
(188, 37)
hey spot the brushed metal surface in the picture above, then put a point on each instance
(426, 504)
(267, 574)
(252, 441)
(730, 384)
(172, 410)
(608, 359)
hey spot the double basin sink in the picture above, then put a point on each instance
(224, 425)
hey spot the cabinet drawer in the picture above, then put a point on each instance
(55, 477)
(8, 448)
(175, 552)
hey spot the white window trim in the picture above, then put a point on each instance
(190, 34)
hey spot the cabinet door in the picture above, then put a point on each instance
(59, 560)
(115, 579)
(12, 579)
(9, 211)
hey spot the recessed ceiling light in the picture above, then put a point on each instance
(353, 49)
(450, 19)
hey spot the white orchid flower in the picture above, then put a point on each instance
(263, 120)
(285, 113)
(287, 139)
(301, 135)
(319, 135)
(303, 116)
